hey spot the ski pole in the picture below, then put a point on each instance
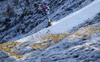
(16, 31)
(71, 5)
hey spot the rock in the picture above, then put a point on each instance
(4, 54)
(10, 59)
(25, 50)
(2, 60)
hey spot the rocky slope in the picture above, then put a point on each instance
(27, 20)
(81, 45)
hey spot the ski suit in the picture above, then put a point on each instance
(44, 8)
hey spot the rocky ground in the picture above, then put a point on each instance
(82, 45)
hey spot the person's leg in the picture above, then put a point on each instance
(49, 23)
(43, 12)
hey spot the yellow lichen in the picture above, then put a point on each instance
(91, 30)
(78, 34)
(8, 46)
(88, 31)
(53, 37)
(39, 46)
(88, 25)
(26, 42)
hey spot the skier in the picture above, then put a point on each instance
(44, 9)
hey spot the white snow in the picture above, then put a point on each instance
(67, 23)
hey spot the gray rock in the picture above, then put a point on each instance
(25, 50)
(2, 60)
(10, 59)
(4, 54)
